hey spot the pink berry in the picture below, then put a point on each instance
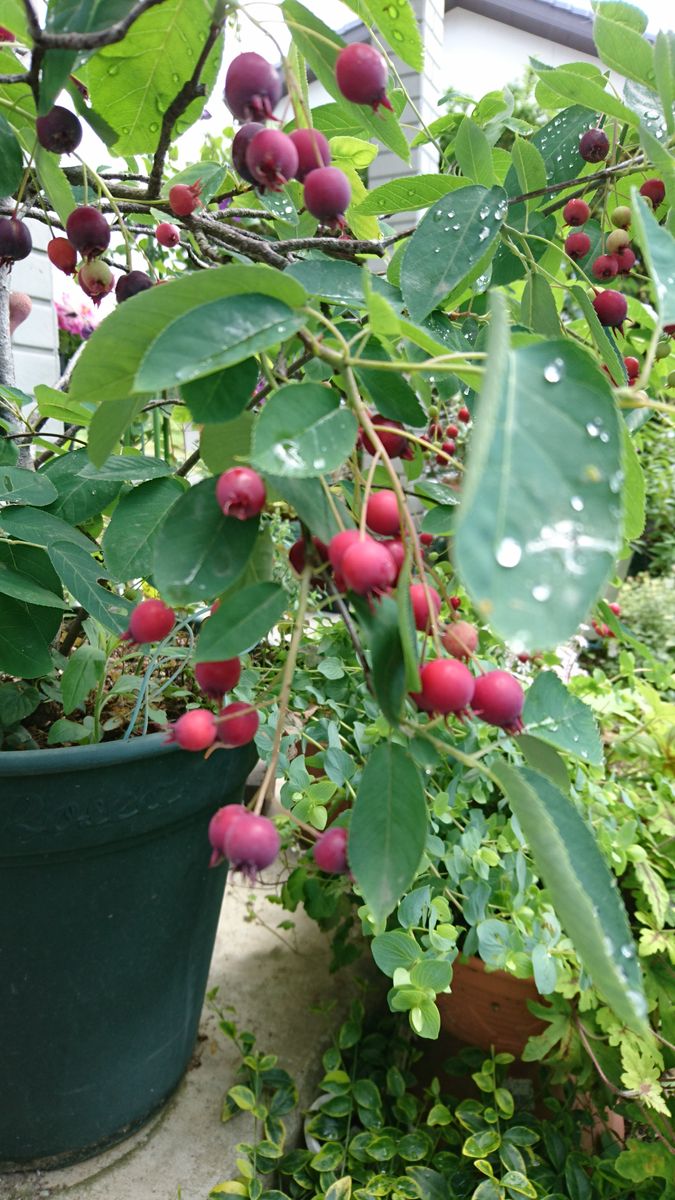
(605, 266)
(184, 199)
(460, 639)
(594, 145)
(240, 144)
(313, 151)
(327, 193)
(653, 190)
(463, 414)
(251, 844)
(219, 826)
(576, 212)
(339, 544)
(272, 158)
(455, 602)
(150, 621)
(447, 687)
(632, 366)
(382, 515)
(368, 567)
(420, 606)
(577, 245)
(20, 308)
(498, 700)
(167, 234)
(88, 231)
(252, 87)
(131, 284)
(217, 678)
(449, 447)
(59, 130)
(397, 550)
(240, 492)
(15, 240)
(62, 254)
(96, 280)
(361, 74)
(615, 608)
(195, 730)
(611, 308)
(237, 724)
(330, 851)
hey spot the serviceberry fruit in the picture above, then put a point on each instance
(662, 351)
(237, 724)
(330, 851)
(313, 151)
(195, 730)
(653, 190)
(455, 602)
(610, 308)
(397, 550)
(88, 231)
(447, 687)
(427, 539)
(632, 367)
(338, 546)
(616, 241)
(626, 260)
(463, 415)
(577, 245)
(576, 212)
(382, 514)
(326, 194)
(184, 199)
(62, 254)
(240, 492)
(251, 844)
(594, 145)
(368, 567)
(420, 607)
(361, 74)
(217, 678)
(218, 828)
(131, 284)
(605, 266)
(167, 234)
(449, 447)
(621, 217)
(252, 87)
(271, 158)
(394, 444)
(6, 34)
(15, 240)
(615, 608)
(59, 130)
(498, 700)
(20, 308)
(460, 639)
(452, 431)
(150, 621)
(240, 143)
(96, 280)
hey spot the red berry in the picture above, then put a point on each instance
(626, 260)
(576, 212)
(654, 190)
(611, 308)
(330, 851)
(217, 678)
(326, 195)
(6, 34)
(387, 431)
(96, 280)
(361, 74)
(615, 608)
(339, 544)
(195, 730)
(382, 515)
(448, 447)
(271, 158)
(237, 724)
(252, 87)
(15, 240)
(427, 539)
(88, 231)
(297, 556)
(240, 492)
(420, 607)
(460, 639)
(62, 254)
(367, 566)
(397, 550)
(150, 621)
(313, 151)
(240, 144)
(251, 844)
(605, 266)
(632, 366)
(131, 284)
(452, 431)
(167, 234)
(499, 700)
(455, 602)
(218, 828)
(577, 245)
(184, 199)
(463, 414)
(59, 130)
(447, 687)
(594, 145)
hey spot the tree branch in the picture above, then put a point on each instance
(85, 41)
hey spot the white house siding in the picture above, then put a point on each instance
(35, 343)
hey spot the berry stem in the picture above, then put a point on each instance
(367, 490)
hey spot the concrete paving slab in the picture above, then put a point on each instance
(279, 985)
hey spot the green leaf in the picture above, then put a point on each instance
(406, 626)
(530, 167)
(26, 630)
(240, 621)
(310, 502)
(199, 552)
(113, 354)
(430, 974)
(388, 828)
(341, 282)
(60, 406)
(425, 1019)
(83, 672)
(519, 1185)
(658, 248)
(391, 395)
(36, 525)
(545, 759)
(77, 499)
(440, 520)
(211, 336)
(479, 1145)
(537, 307)
(80, 575)
(133, 81)
(11, 159)
(634, 492)
(21, 587)
(620, 45)
(108, 424)
(555, 716)
(654, 889)
(568, 83)
(431, 1185)
(535, 547)
(398, 25)
(450, 244)
(340, 1190)
(388, 662)
(303, 431)
(409, 193)
(211, 176)
(16, 702)
(70, 732)
(18, 485)
(320, 46)
(664, 70)
(582, 888)
(127, 468)
(222, 396)
(55, 183)
(129, 539)
(223, 446)
(558, 144)
(487, 1190)
(474, 153)
(395, 950)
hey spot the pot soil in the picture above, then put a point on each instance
(108, 915)
(489, 1008)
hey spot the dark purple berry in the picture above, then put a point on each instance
(327, 193)
(313, 151)
(15, 240)
(88, 231)
(594, 145)
(610, 308)
(59, 130)
(240, 144)
(252, 87)
(361, 74)
(131, 284)
(272, 158)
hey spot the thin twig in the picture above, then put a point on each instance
(85, 41)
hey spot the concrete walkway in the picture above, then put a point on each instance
(280, 988)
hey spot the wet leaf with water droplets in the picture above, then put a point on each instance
(302, 431)
(555, 716)
(658, 248)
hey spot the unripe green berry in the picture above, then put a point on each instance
(617, 240)
(621, 217)
(434, 412)
(662, 350)
(671, 380)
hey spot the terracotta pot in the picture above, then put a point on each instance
(489, 1008)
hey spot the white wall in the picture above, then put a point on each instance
(35, 343)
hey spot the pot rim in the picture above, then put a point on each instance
(60, 759)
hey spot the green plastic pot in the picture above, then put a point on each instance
(108, 915)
